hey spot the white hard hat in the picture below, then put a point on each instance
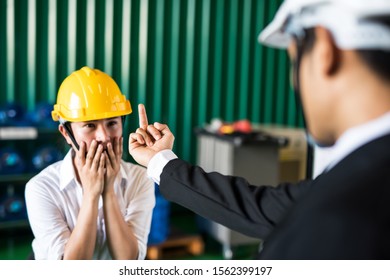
(351, 22)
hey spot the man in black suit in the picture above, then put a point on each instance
(340, 52)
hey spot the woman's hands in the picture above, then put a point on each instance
(98, 169)
(91, 168)
(149, 139)
(113, 163)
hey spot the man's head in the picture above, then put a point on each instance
(337, 48)
(90, 106)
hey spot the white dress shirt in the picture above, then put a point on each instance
(351, 140)
(53, 199)
(157, 164)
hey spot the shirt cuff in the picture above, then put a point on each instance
(157, 164)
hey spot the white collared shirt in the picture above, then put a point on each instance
(53, 199)
(158, 162)
(351, 140)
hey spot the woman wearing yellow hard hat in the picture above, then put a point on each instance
(92, 204)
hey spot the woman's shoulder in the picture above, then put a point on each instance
(135, 173)
(133, 168)
(49, 177)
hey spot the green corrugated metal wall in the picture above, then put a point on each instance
(188, 60)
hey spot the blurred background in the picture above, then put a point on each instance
(188, 61)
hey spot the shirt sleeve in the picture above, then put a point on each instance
(229, 200)
(157, 164)
(51, 232)
(140, 202)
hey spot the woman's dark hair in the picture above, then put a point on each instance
(377, 60)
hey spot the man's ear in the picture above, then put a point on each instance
(328, 55)
(64, 133)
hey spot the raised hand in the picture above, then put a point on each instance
(149, 139)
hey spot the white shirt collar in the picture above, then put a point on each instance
(67, 173)
(357, 136)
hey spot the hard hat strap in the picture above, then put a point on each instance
(68, 129)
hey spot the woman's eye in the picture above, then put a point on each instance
(112, 123)
(89, 125)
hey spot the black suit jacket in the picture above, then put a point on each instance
(342, 214)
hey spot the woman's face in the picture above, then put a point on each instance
(103, 131)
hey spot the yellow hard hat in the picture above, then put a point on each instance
(89, 94)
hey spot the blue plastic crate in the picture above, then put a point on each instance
(159, 229)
